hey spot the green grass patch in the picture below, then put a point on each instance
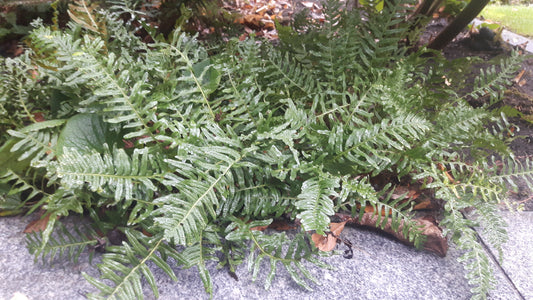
(516, 18)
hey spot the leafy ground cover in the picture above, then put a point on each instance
(179, 150)
(516, 18)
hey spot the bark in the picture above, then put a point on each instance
(450, 32)
(427, 8)
(435, 242)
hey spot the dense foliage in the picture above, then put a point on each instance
(186, 149)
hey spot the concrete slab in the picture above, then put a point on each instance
(381, 269)
(517, 262)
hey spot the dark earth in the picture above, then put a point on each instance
(519, 95)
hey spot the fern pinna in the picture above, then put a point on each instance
(187, 151)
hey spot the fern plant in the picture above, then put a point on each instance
(186, 151)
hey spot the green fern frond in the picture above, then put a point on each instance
(63, 243)
(16, 92)
(196, 255)
(184, 215)
(492, 226)
(29, 184)
(125, 265)
(480, 274)
(37, 141)
(117, 172)
(272, 247)
(510, 170)
(315, 205)
(492, 81)
(372, 146)
(256, 194)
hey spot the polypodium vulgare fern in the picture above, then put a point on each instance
(177, 146)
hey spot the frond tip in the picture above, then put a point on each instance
(315, 204)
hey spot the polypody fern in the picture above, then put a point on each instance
(189, 150)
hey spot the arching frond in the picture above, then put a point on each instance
(115, 172)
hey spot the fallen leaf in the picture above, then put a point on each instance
(435, 241)
(281, 225)
(405, 191)
(424, 205)
(324, 243)
(337, 228)
(253, 21)
(39, 117)
(307, 4)
(259, 228)
(37, 225)
(329, 241)
(519, 76)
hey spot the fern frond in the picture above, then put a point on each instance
(19, 183)
(256, 194)
(315, 205)
(492, 226)
(477, 263)
(511, 170)
(373, 146)
(492, 81)
(16, 92)
(118, 172)
(184, 215)
(387, 210)
(37, 141)
(63, 243)
(272, 247)
(197, 254)
(125, 265)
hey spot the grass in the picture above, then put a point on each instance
(516, 18)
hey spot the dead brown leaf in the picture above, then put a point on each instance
(324, 243)
(259, 228)
(424, 205)
(337, 228)
(519, 76)
(281, 225)
(308, 4)
(329, 241)
(37, 225)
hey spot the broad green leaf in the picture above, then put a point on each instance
(86, 133)
(210, 77)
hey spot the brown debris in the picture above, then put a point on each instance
(435, 242)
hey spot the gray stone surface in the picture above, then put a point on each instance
(518, 251)
(380, 269)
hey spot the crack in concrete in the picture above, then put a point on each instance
(496, 262)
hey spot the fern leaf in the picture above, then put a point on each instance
(315, 204)
(492, 82)
(117, 172)
(37, 141)
(62, 244)
(125, 265)
(184, 215)
(272, 247)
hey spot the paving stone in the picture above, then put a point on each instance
(381, 268)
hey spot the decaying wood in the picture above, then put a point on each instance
(435, 242)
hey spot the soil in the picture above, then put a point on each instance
(519, 96)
